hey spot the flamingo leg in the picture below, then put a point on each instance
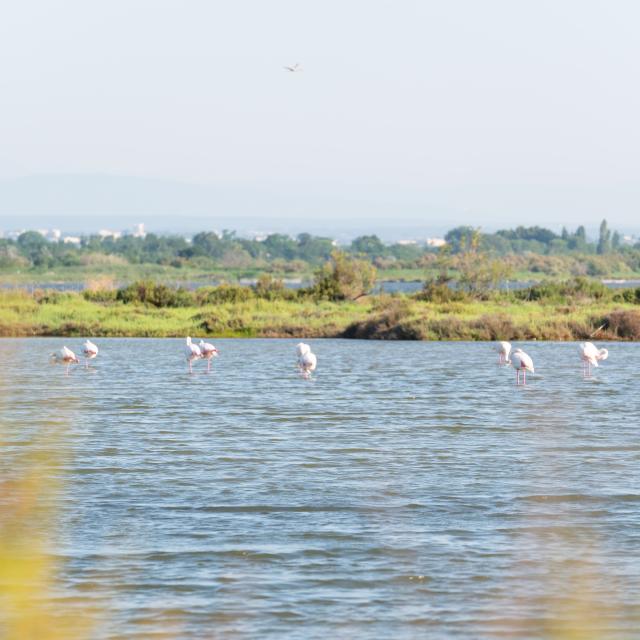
(208, 366)
(190, 367)
(524, 376)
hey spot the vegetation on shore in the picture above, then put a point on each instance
(577, 309)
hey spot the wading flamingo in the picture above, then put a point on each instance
(301, 349)
(192, 352)
(64, 356)
(89, 351)
(521, 362)
(307, 362)
(208, 351)
(590, 355)
(504, 349)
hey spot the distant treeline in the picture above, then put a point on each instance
(279, 252)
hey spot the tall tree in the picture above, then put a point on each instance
(604, 241)
(616, 241)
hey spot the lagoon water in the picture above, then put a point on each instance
(408, 490)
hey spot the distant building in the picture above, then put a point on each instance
(137, 231)
(436, 242)
(107, 233)
(72, 240)
(407, 242)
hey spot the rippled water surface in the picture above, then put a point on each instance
(407, 490)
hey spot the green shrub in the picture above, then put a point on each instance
(103, 296)
(270, 288)
(223, 293)
(156, 295)
(344, 278)
(578, 288)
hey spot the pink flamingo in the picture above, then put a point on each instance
(64, 356)
(504, 349)
(521, 362)
(89, 351)
(590, 355)
(307, 361)
(192, 352)
(208, 351)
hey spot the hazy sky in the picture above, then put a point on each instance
(430, 113)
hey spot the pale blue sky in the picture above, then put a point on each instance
(420, 113)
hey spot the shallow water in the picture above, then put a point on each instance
(407, 490)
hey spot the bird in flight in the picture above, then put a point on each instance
(293, 68)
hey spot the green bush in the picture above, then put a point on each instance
(100, 295)
(628, 295)
(223, 293)
(344, 278)
(156, 295)
(270, 288)
(578, 288)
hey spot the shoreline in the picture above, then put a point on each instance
(380, 317)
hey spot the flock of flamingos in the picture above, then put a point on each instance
(307, 361)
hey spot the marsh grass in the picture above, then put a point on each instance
(384, 316)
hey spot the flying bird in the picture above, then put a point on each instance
(521, 362)
(590, 355)
(207, 351)
(294, 68)
(504, 349)
(192, 352)
(64, 356)
(89, 351)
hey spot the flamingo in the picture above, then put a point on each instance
(301, 349)
(192, 352)
(590, 355)
(64, 356)
(208, 351)
(307, 361)
(504, 349)
(89, 351)
(521, 362)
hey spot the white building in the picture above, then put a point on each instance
(107, 233)
(137, 231)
